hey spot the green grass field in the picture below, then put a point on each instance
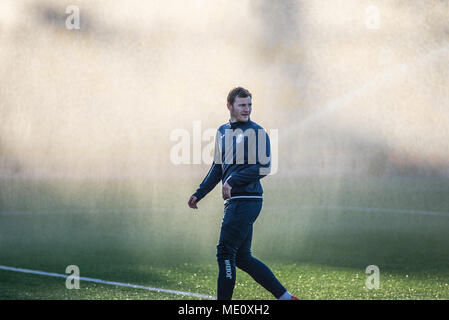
(143, 233)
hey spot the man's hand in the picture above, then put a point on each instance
(192, 202)
(226, 191)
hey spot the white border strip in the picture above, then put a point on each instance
(243, 197)
(113, 283)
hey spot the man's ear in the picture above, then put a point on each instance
(229, 107)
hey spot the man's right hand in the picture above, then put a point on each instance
(193, 202)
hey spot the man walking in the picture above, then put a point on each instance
(242, 158)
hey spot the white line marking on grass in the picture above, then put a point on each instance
(113, 283)
(117, 211)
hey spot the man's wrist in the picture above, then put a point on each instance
(230, 182)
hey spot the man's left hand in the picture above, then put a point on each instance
(226, 191)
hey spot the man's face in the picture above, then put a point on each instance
(241, 109)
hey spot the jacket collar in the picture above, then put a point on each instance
(237, 124)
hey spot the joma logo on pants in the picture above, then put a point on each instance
(228, 269)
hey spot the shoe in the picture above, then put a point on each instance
(294, 298)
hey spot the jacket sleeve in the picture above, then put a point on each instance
(253, 172)
(214, 175)
(209, 182)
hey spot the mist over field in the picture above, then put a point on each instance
(357, 92)
(350, 85)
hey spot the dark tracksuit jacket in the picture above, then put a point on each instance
(246, 168)
(242, 158)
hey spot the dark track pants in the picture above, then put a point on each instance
(234, 249)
